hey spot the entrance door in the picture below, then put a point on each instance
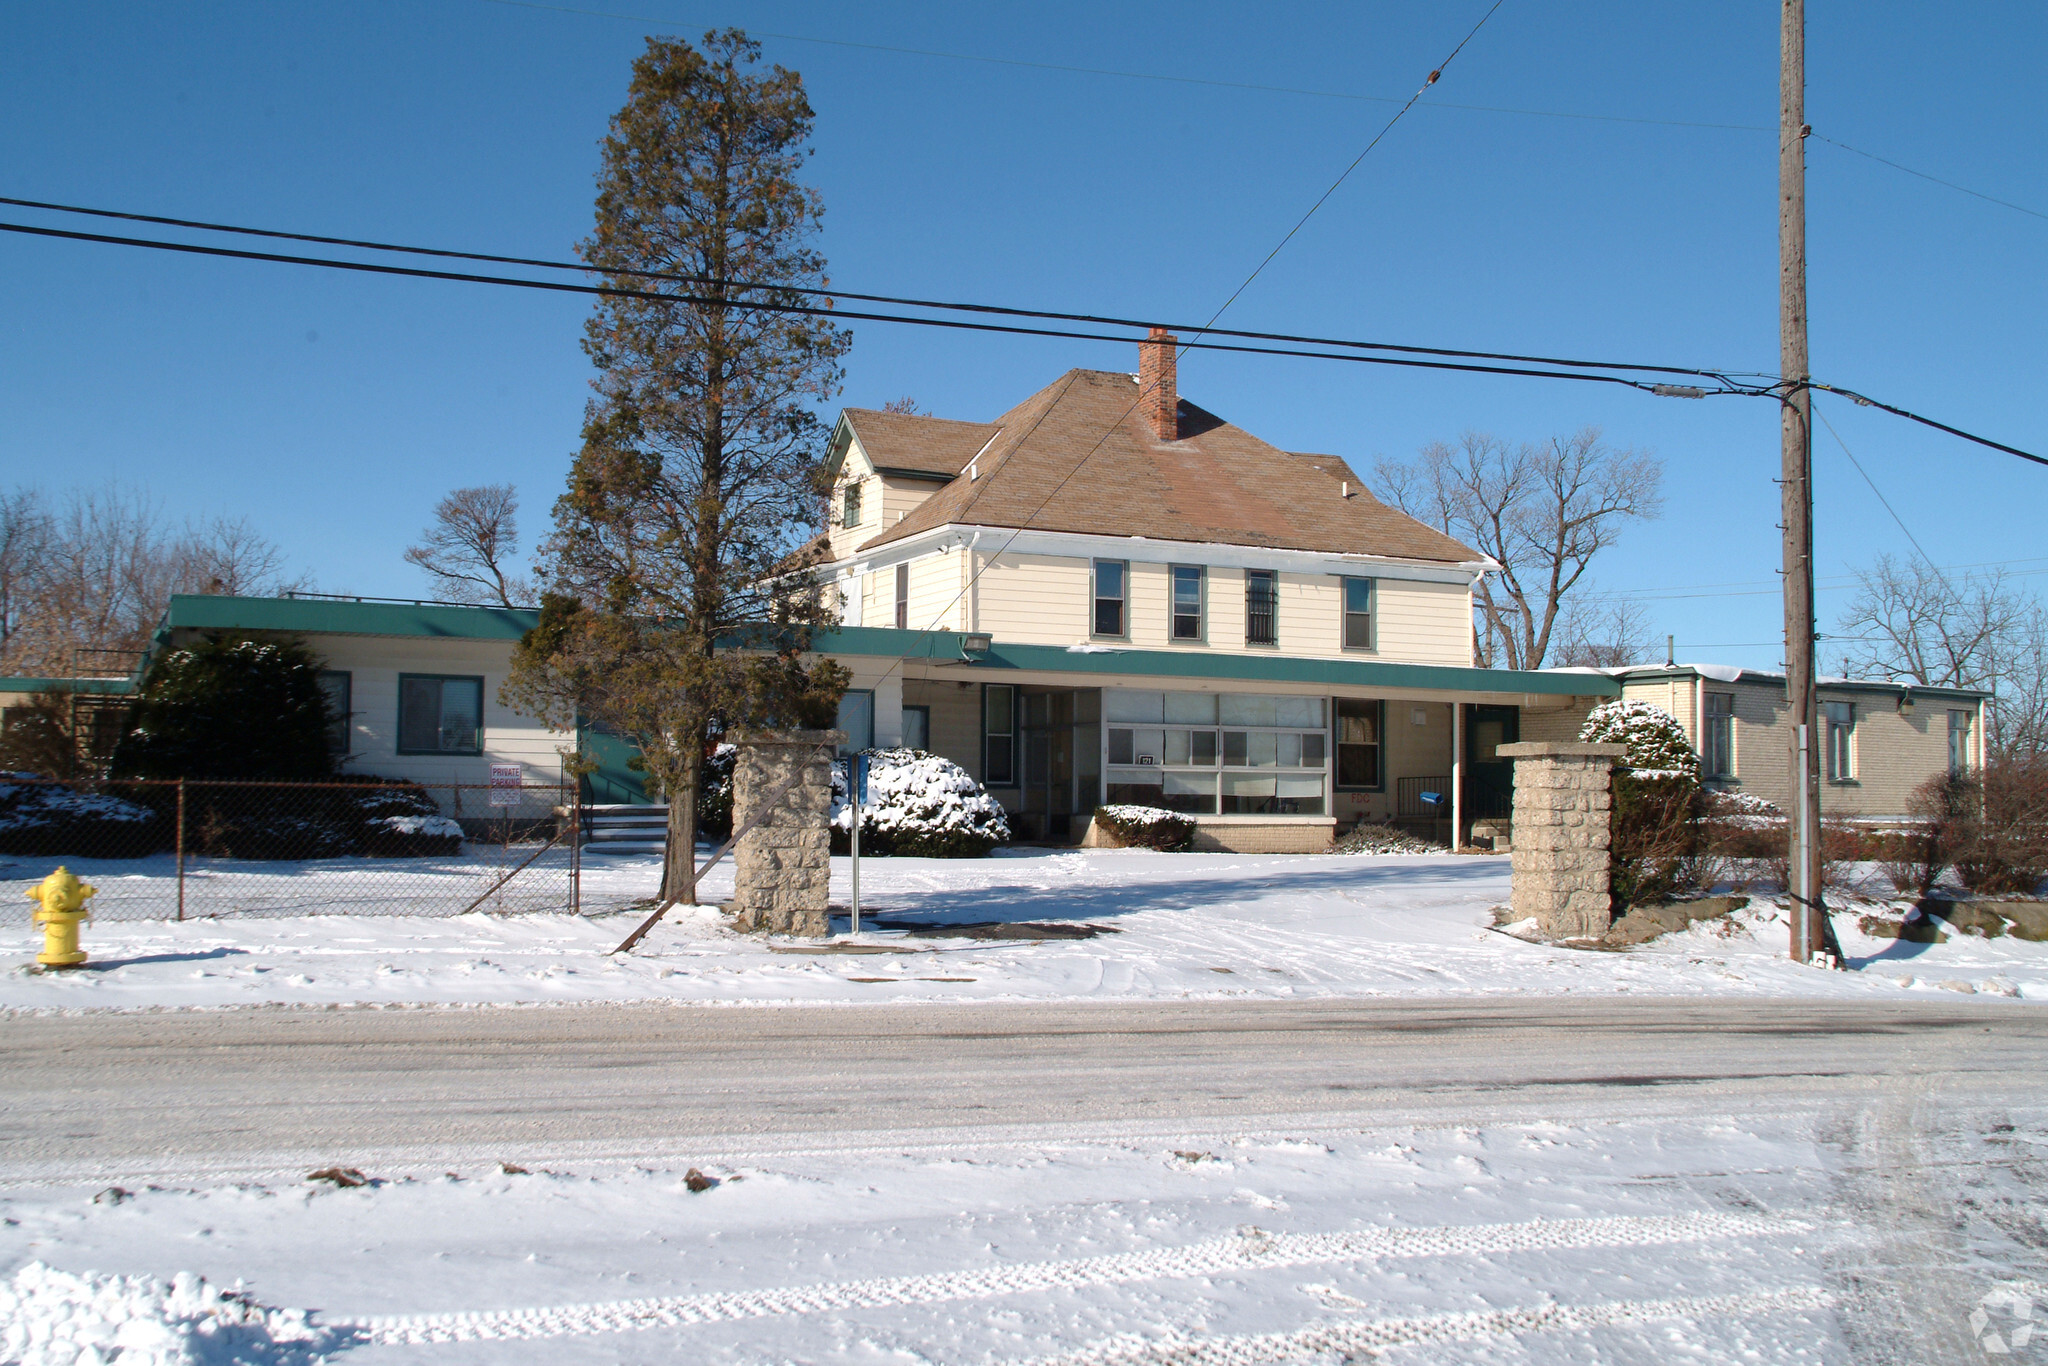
(1489, 779)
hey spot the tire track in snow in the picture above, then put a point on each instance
(1317, 1340)
(1242, 1252)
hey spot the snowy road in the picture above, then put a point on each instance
(1623, 1179)
(260, 1090)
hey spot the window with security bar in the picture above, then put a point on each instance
(1261, 607)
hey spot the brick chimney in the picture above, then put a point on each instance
(1158, 394)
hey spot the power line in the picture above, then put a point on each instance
(1345, 174)
(1288, 90)
(1927, 559)
(776, 306)
(1949, 184)
(1000, 310)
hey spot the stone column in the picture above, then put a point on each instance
(782, 868)
(1564, 804)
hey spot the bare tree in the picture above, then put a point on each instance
(468, 552)
(98, 571)
(906, 405)
(228, 556)
(1541, 511)
(24, 538)
(1598, 631)
(1916, 623)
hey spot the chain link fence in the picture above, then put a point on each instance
(177, 850)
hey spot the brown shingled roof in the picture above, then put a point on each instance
(1217, 483)
(917, 444)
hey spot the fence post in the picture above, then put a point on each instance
(181, 848)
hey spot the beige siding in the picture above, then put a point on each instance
(1893, 752)
(885, 501)
(1424, 623)
(956, 719)
(374, 664)
(1035, 599)
(936, 599)
(1556, 725)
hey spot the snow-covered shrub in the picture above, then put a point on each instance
(1366, 838)
(1147, 827)
(402, 821)
(714, 800)
(919, 805)
(1744, 806)
(44, 818)
(230, 707)
(1656, 743)
(1657, 839)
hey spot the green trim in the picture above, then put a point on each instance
(884, 643)
(117, 686)
(205, 612)
(324, 617)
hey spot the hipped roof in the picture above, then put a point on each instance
(1077, 457)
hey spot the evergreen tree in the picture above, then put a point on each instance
(690, 506)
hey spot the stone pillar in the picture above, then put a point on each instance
(782, 868)
(1564, 804)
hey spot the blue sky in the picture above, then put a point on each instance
(333, 410)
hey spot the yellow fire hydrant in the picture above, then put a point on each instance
(60, 904)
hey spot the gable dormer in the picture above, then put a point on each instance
(883, 465)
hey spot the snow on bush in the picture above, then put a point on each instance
(49, 818)
(1147, 827)
(1656, 744)
(1384, 839)
(54, 1318)
(919, 806)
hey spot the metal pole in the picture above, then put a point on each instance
(1796, 478)
(1457, 775)
(853, 765)
(181, 848)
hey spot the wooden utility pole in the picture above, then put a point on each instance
(1803, 771)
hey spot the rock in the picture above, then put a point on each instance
(343, 1177)
(112, 1195)
(1956, 984)
(1968, 917)
(698, 1182)
(2029, 919)
(1644, 923)
(513, 1169)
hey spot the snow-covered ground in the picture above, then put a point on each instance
(1702, 1239)
(1174, 926)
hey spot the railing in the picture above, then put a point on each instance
(1408, 802)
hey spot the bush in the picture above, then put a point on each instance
(378, 817)
(2000, 841)
(714, 798)
(1147, 827)
(919, 806)
(40, 818)
(1656, 842)
(230, 707)
(38, 736)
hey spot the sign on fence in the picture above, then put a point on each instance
(505, 784)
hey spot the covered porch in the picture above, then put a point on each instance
(1268, 754)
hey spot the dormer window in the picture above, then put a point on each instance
(849, 513)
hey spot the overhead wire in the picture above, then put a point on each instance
(783, 306)
(974, 577)
(1283, 90)
(819, 291)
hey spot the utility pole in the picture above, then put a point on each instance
(1796, 479)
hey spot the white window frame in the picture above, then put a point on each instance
(1173, 612)
(1717, 738)
(1840, 735)
(850, 511)
(1122, 599)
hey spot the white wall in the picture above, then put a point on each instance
(374, 664)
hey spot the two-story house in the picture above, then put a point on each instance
(1108, 594)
